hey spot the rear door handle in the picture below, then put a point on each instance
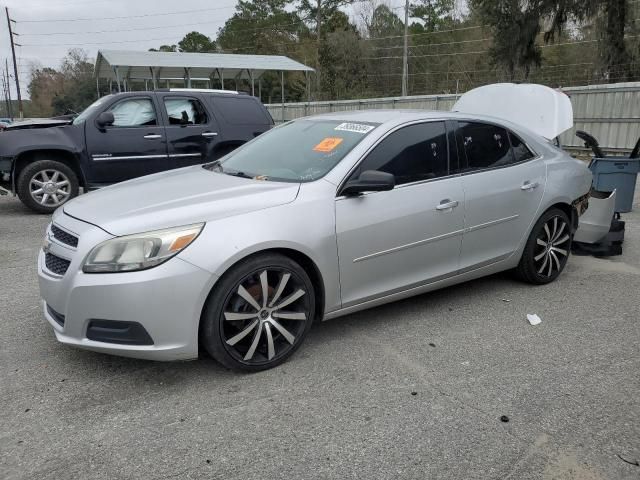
(529, 186)
(152, 136)
(210, 134)
(447, 205)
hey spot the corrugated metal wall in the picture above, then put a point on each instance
(611, 113)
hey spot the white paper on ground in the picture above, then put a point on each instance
(533, 319)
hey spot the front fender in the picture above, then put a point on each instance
(306, 227)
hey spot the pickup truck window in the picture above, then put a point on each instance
(185, 111)
(134, 112)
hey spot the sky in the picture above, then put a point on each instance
(49, 28)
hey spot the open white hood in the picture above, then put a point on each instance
(541, 109)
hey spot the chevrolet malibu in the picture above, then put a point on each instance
(316, 219)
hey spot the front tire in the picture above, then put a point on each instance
(259, 313)
(45, 185)
(547, 250)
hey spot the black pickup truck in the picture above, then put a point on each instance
(124, 136)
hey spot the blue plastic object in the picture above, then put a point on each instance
(618, 174)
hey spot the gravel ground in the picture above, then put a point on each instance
(414, 389)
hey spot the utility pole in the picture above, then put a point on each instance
(15, 65)
(8, 87)
(4, 94)
(405, 54)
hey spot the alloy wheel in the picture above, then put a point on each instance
(50, 188)
(552, 247)
(264, 315)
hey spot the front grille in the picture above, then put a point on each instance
(56, 264)
(64, 237)
(58, 317)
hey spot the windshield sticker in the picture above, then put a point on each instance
(328, 144)
(354, 127)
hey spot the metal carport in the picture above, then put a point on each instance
(123, 66)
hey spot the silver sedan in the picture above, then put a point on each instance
(316, 219)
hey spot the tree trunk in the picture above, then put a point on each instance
(615, 55)
(318, 25)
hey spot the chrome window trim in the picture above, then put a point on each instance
(180, 155)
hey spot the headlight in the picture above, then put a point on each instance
(141, 251)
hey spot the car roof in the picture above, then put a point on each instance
(393, 117)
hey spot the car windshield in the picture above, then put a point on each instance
(299, 151)
(87, 112)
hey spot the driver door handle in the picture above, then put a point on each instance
(210, 134)
(447, 205)
(152, 136)
(526, 186)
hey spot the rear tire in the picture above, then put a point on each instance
(547, 250)
(259, 313)
(44, 185)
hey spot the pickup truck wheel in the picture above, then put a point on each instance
(46, 184)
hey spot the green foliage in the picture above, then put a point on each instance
(196, 42)
(435, 14)
(515, 25)
(165, 48)
(69, 89)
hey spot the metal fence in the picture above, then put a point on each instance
(611, 113)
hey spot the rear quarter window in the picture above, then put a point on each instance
(240, 110)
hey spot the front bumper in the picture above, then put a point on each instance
(166, 301)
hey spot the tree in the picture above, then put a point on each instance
(196, 42)
(611, 19)
(435, 14)
(165, 48)
(267, 27)
(318, 11)
(342, 58)
(515, 25)
(69, 89)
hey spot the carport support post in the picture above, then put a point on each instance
(253, 88)
(221, 75)
(306, 76)
(282, 92)
(187, 76)
(115, 69)
(153, 78)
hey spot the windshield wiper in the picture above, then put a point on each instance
(238, 174)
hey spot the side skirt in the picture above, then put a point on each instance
(499, 266)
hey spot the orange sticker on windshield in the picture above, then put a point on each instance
(328, 144)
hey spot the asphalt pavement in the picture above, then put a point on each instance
(453, 384)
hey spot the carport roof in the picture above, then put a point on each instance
(133, 64)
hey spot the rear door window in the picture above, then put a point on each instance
(485, 145)
(521, 152)
(411, 154)
(185, 111)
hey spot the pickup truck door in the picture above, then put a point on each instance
(192, 131)
(133, 146)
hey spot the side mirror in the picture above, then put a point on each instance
(370, 181)
(105, 119)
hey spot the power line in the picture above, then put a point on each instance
(120, 30)
(128, 16)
